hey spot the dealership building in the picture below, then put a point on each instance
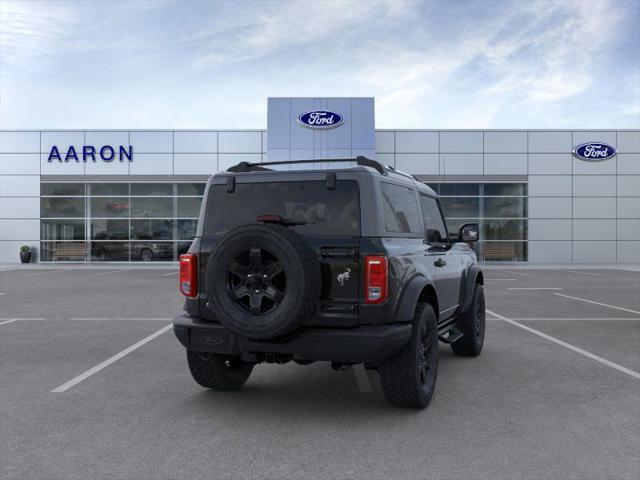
(540, 196)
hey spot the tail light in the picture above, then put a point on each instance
(189, 275)
(375, 279)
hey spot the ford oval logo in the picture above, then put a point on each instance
(594, 151)
(320, 119)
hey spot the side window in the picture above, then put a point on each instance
(400, 209)
(433, 222)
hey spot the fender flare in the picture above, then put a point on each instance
(409, 298)
(473, 276)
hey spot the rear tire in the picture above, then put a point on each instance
(218, 372)
(472, 325)
(409, 378)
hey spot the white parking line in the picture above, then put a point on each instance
(169, 274)
(92, 371)
(590, 355)
(534, 288)
(597, 303)
(39, 273)
(517, 273)
(123, 319)
(107, 273)
(576, 319)
(362, 379)
(505, 279)
(583, 273)
(9, 321)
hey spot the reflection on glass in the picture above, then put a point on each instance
(151, 229)
(62, 189)
(189, 207)
(503, 229)
(109, 229)
(110, 207)
(501, 251)
(187, 229)
(151, 207)
(62, 207)
(152, 251)
(155, 189)
(110, 251)
(510, 207)
(461, 207)
(62, 229)
(457, 189)
(191, 189)
(108, 189)
(498, 189)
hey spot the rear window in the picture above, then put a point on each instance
(400, 209)
(326, 212)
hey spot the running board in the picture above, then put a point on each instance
(452, 335)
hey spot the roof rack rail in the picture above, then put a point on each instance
(260, 167)
(400, 172)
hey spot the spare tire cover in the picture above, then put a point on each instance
(262, 280)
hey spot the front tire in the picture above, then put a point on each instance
(409, 378)
(472, 325)
(218, 372)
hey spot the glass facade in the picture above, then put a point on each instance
(119, 221)
(499, 208)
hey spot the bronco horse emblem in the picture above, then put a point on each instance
(343, 277)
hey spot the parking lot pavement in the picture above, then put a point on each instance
(527, 407)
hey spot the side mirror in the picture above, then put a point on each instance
(469, 232)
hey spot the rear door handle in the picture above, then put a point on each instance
(439, 263)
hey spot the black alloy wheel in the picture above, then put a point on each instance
(257, 281)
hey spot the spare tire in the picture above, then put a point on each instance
(262, 281)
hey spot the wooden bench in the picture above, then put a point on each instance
(498, 251)
(70, 250)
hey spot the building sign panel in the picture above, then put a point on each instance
(594, 151)
(106, 153)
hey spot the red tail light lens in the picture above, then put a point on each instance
(375, 279)
(189, 275)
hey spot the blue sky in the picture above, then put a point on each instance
(454, 64)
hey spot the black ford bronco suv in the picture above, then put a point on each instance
(349, 263)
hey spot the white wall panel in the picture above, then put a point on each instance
(550, 229)
(461, 164)
(550, 142)
(550, 163)
(385, 142)
(594, 207)
(600, 229)
(505, 142)
(20, 163)
(152, 164)
(605, 167)
(416, 142)
(115, 167)
(594, 136)
(19, 185)
(549, 186)
(195, 142)
(62, 140)
(338, 138)
(549, 252)
(628, 207)
(628, 229)
(114, 138)
(386, 158)
(54, 167)
(20, 229)
(505, 163)
(362, 124)
(226, 160)
(10, 250)
(19, 207)
(240, 142)
(278, 155)
(594, 252)
(461, 142)
(549, 207)
(151, 142)
(629, 142)
(365, 152)
(594, 186)
(418, 163)
(263, 135)
(628, 163)
(628, 185)
(195, 163)
(629, 252)
(20, 142)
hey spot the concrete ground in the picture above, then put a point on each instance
(555, 393)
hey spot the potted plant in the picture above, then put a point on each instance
(25, 253)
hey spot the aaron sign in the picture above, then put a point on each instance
(106, 153)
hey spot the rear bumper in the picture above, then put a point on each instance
(368, 344)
